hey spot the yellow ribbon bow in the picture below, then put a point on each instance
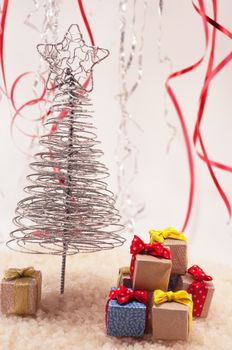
(170, 232)
(180, 296)
(13, 274)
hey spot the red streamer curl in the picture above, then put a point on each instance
(210, 74)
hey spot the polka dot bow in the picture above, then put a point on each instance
(198, 289)
(124, 295)
(154, 249)
(198, 274)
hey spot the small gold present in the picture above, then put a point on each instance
(124, 278)
(21, 291)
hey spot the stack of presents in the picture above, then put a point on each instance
(158, 293)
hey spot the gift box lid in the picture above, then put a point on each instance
(172, 306)
(33, 279)
(174, 242)
(129, 305)
(149, 258)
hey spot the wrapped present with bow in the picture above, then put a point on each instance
(171, 315)
(177, 243)
(21, 291)
(200, 285)
(126, 312)
(124, 278)
(150, 266)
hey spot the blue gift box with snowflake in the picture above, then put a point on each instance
(126, 319)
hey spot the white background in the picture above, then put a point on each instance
(162, 182)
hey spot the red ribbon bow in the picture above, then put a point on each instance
(154, 249)
(198, 289)
(123, 295)
(198, 274)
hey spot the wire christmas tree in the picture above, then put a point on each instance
(69, 209)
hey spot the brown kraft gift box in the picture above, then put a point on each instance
(170, 321)
(124, 277)
(151, 272)
(184, 283)
(148, 328)
(21, 296)
(179, 255)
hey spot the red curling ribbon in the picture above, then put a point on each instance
(87, 26)
(39, 99)
(213, 22)
(124, 295)
(40, 233)
(54, 128)
(13, 88)
(197, 133)
(11, 97)
(21, 76)
(29, 103)
(154, 249)
(26, 104)
(182, 121)
(60, 117)
(18, 110)
(2, 33)
(86, 22)
(210, 74)
(198, 289)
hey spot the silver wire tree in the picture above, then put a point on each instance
(69, 209)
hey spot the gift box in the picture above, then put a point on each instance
(150, 265)
(126, 312)
(151, 273)
(171, 287)
(177, 243)
(171, 315)
(148, 328)
(21, 291)
(179, 255)
(200, 285)
(173, 282)
(124, 278)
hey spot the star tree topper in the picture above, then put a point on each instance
(71, 57)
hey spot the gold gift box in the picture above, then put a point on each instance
(21, 296)
(124, 278)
